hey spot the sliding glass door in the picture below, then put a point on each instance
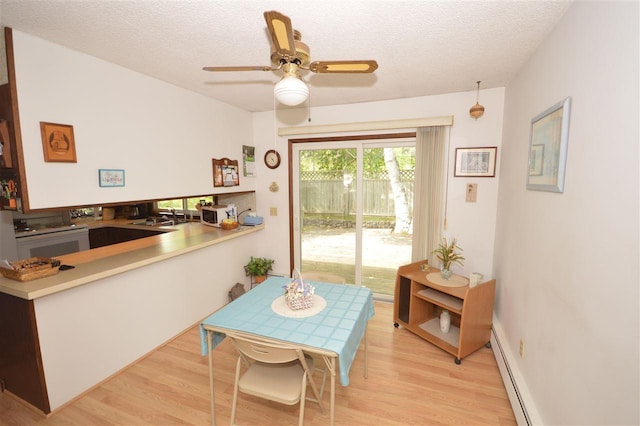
(353, 204)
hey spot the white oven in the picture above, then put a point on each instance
(53, 242)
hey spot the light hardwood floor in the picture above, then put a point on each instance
(411, 382)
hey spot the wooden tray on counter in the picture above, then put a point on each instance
(31, 269)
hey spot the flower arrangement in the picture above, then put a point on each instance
(448, 253)
(299, 294)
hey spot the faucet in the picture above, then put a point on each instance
(175, 216)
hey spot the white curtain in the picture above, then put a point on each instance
(430, 179)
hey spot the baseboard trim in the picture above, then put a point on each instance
(517, 391)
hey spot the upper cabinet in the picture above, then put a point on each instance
(13, 190)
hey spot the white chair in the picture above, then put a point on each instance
(324, 277)
(276, 372)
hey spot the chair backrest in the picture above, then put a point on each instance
(263, 351)
(324, 277)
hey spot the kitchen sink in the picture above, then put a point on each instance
(153, 223)
(157, 222)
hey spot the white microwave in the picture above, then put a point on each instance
(213, 216)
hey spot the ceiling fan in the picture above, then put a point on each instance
(290, 54)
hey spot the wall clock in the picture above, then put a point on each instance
(272, 159)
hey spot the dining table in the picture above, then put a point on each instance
(332, 328)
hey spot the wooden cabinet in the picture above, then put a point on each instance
(419, 302)
(98, 237)
(12, 171)
(21, 370)
(108, 235)
(10, 188)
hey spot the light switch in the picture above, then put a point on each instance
(472, 193)
(273, 211)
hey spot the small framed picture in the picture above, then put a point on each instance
(58, 143)
(111, 177)
(225, 172)
(249, 160)
(548, 148)
(476, 162)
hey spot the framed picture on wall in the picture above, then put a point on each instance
(225, 172)
(249, 160)
(548, 148)
(111, 177)
(476, 162)
(58, 143)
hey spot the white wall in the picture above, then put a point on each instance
(567, 264)
(90, 332)
(164, 137)
(473, 224)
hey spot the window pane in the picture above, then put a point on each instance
(327, 209)
(178, 205)
(170, 204)
(387, 215)
(191, 202)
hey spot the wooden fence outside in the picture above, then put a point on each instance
(326, 193)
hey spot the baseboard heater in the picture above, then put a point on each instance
(510, 382)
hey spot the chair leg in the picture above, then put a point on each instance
(324, 380)
(324, 377)
(235, 392)
(303, 398)
(317, 397)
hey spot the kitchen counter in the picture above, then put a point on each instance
(63, 334)
(92, 265)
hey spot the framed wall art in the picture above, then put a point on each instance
(111, 177)
(476, 162)
(548, 148)
(58, 143)
(225, 172)
(249, 160)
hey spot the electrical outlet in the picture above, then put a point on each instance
(273, 211)
(521, 348)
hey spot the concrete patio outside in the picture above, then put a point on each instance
(333, 250)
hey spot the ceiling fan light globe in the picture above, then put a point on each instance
(291, 91)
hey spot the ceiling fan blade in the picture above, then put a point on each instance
(343, 66)
(281, 32)
(257, 68)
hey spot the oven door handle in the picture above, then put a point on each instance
(54, 234)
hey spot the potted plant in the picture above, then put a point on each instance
(258, 268)
(448, 253)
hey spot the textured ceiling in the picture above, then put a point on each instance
(422, 47)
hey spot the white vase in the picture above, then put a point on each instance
(445, 321)
(475, 278)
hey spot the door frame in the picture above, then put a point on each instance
(292, 142)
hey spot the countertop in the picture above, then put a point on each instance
(102, 262)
